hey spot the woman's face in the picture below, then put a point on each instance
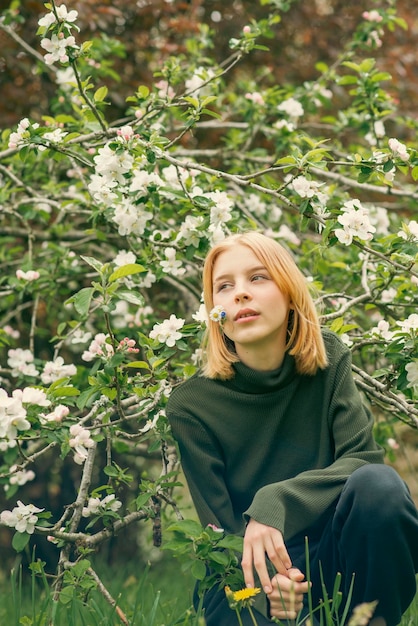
(256, 310)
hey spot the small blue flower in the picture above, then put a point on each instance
(217, 314)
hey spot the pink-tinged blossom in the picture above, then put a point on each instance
(168, 331)
(392, 443)
(306, 188)
(164, 90)
(57, 415)
(398, 149)
(20, 477)
(56, 48)
(255, 97)
(99, 347)
(19, 137)
(81, 442)
(29, 276)
(412, 374)
(54, 370)
(125, 132)
(21, 362)
(22, 518)
(372, 16)
(11, 332)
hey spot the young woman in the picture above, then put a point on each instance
(277, 446)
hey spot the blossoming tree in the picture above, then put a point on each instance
(103, 229)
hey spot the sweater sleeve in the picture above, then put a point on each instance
(203, 467)
(295, 504)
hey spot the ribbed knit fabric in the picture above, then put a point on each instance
(274, 446)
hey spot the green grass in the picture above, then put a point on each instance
(157, 594)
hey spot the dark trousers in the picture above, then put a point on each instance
(372, 533)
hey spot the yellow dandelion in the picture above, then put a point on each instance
(246, 593)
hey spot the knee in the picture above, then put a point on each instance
(376, 491)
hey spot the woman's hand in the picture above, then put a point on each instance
(261, 540)
(286, 599)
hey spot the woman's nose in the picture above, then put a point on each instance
(242, 295)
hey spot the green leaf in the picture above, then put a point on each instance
(20, 541)
(82, 300)
(131, 297)
(198, 570)
(100, 94)
(94, 263)
(126, 270)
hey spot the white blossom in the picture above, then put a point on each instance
(195, 84)
(355, 220)
(21, 362)
(63, 16)
(291, 107)
(22, 518)
(382, 330)
(412, 373)
(80, 442)
(286, 233)
(221, 212)
(188, 231)
(54, 370)
(124, 257)
(113, 165)
(201, 315)
(56, 48)
(410, 231)
(131, 218)
(398, 149)
(410, 325)
(97, 506)
(31, 395)
(80, 336)
(171, 265)
(168, 331)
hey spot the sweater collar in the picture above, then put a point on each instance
(255, 381)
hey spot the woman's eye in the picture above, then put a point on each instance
(223, 286)
(259, 277)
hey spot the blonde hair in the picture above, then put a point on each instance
(305, 340)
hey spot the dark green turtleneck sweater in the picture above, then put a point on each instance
(274, 446)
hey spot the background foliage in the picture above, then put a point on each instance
(166, 126)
